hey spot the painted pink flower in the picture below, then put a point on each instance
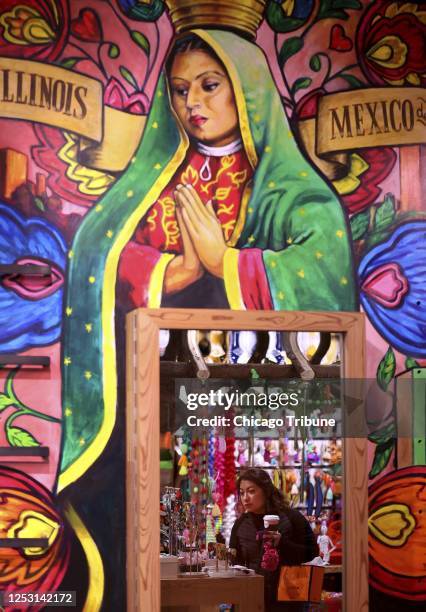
(116, 96)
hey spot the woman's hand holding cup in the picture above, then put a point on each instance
(271, 533)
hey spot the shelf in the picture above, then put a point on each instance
(294, 467)
(9, 359)
(24, 542)
(332, 569)
(27, 269)
(269, 371)
(11, 454)
(326, 506)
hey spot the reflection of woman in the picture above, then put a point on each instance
(272, 236)
(244, 222)
(294, 539)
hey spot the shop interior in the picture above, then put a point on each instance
(200, 464)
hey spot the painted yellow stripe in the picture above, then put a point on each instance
(109, 378)
(239, 96)
(155, 289)
(232, 279)
(95, 592)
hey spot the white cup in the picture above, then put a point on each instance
(271, 522)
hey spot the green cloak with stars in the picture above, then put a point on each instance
(292, 215)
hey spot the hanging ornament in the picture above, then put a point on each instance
(211, 454)
(219, 470)
(210, 526)
(229, 516)
(230, 471)
(183, 461)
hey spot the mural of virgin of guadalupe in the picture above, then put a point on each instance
(218, 209)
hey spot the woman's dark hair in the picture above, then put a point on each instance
(189, 42)
(275, 502)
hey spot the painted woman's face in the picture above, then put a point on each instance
(203, 99)
(252, 497)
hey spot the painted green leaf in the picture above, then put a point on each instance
(5, 401)
(126, 74)
(290, 47)
(140, 40)
(315, 63)
(279, 21)
(411, 363)
(386, 369)
(352, 80)
(336, 8)
(349, 4)
(113, 51)
(385, 213)
(359, 224)
(301, 83)
(39, 203)
(20, 437)
(9, 385)
(70, 62)
(383, 435)
(381, 457)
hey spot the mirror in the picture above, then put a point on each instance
(307, 470)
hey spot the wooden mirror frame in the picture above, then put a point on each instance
(143, 440)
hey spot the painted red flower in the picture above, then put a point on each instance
(391, 43)
(33, 29)
(27, 511)
(378, 164)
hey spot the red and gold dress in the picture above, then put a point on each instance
(224, 180)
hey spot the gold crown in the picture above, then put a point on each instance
(243, 16)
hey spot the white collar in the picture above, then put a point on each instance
(228, 149)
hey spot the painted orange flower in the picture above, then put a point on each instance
(27, 511)
(397, 529)
(34, 29)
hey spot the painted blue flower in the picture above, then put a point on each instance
(284, 16)
(30, 306)
(393, 288)
(142, 11)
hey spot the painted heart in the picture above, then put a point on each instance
(338, 39)
(387, 285)
(87, 26)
